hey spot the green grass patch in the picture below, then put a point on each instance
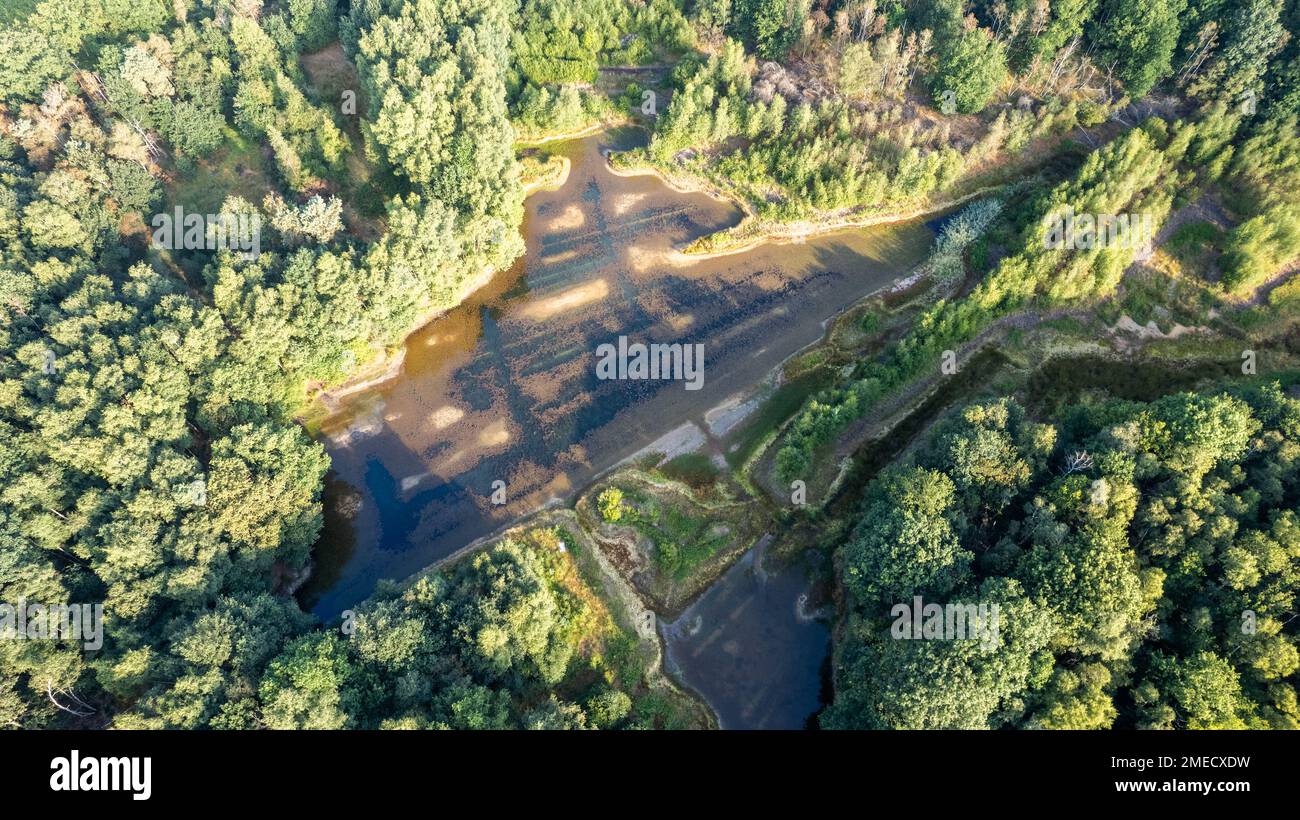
(1154, 295)
(694, 469)
(235, 169)
(870, 322)
(1193, 238)
(1061, 383)
(1195, 248)
(681, 541)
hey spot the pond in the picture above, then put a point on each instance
(753, 645)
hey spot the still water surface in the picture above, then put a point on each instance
(753, 646)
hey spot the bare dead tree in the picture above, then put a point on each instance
(96, 86)
(83, 709)
(1059, 65)
(1077, 462)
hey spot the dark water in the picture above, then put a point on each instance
(752, 646)
(503, 388)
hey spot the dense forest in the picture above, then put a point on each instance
(152, 457)
(1141, 555)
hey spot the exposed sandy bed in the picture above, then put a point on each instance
(686, 438)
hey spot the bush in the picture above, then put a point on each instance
(610, 504)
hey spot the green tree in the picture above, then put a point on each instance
(772, 26)
(1136, 40)
(311, 685)
(1252, 33)
(314, 21)
(888, 683)
(969, 68)
(905, 543)
(1258, 248)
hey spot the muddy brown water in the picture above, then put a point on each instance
(501, 394)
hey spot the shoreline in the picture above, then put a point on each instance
(566, 508)
(602, 124)
(557, 505)
(779, 233)
(541, 185)
(387, 367)
(390, 366)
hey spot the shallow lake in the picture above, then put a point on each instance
(501, 393)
